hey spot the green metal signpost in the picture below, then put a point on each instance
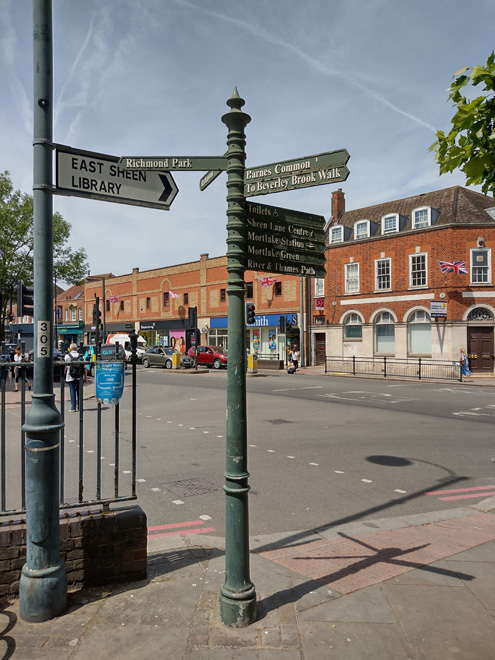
(285, 241)
(321, 169)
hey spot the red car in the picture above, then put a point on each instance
(210, 356)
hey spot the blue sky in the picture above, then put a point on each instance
(152, 77)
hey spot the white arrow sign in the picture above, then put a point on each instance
(98, 176)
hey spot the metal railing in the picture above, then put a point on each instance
(97, 455)
(420, 368)
(267, 356)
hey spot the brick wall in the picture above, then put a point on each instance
(97, 548)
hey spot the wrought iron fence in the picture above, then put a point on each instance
(419, 368)
(97, 455)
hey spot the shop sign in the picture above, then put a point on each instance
(438, 309)
(319, 304)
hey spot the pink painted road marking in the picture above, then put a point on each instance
(458, 490)
(174, 527)
(468, 497)
(181, 524)
(184, 531)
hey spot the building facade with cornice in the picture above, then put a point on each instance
(385, 292)
(156, 303)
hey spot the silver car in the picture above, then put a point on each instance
(161, 356)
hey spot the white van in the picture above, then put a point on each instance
(124, 341)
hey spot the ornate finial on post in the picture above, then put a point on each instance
(238, 594)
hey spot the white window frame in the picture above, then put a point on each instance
(380, 321)
(420, 210)
(377, 275)
(418, 317)
(477, 271)
(353, 320)
(354, 266)
(336, 229)
(319, 287)
(390, 216)
(80, 314)
(361, 223)
(73, 314)
(66, 315)
(412, 257)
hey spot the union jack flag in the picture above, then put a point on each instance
(267, 281)
(113, 299)
(453, 266)
(173, 295)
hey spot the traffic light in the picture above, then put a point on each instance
(288, 326)
(25, 300)
(250, 313)
(97, 313)
(193, 317)
(281, 325)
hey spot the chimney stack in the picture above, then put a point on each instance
(338, 205)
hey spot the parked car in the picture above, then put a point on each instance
(161, 356)
(209, 356)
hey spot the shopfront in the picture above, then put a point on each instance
(167, 333)
(69, 333)
(269, 337)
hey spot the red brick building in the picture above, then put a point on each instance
(385, 293)
(156, 304)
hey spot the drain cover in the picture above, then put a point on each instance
(189, 487)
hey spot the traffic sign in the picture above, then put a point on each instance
(317, 170)
(99, 176)
(209, 177)
(285, 241)
(174, 163)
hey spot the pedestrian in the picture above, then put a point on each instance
(464, 362)
(19, 373)
(73, 375)
(295, 358)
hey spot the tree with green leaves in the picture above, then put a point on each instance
(17, 243)
(470, 144)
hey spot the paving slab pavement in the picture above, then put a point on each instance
(421, 588)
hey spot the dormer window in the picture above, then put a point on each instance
(421, 217)
(362, 229)
(337, 234)
(390, 224)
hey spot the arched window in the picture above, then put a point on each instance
(480, 314)
(419, 333)
(385, 333)
(352, 327)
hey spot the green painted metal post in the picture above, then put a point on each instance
(238, 594)
(43, 584)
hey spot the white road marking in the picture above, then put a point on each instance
(339, 472)
(177, 502)
(290, 456)
(272, 451)
(156, 490)
(314, 463)
(205, 517)
(141, 481)
(367, 481)
(292, 389)
(398, 490)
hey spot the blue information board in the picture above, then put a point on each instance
(109, 382)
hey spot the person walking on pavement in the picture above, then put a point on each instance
(18, 371)
(464, 362)
(295, 358)
(73, 375)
